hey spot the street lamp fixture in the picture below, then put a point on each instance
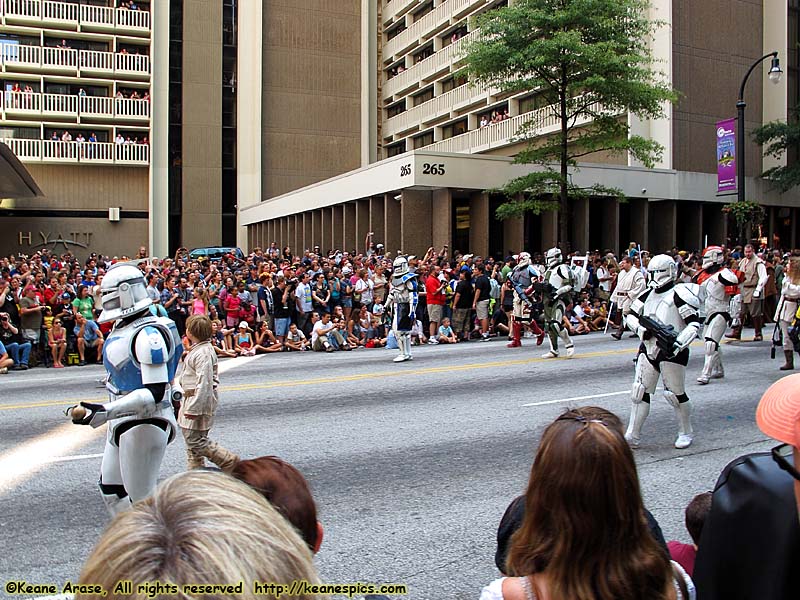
(775, 73)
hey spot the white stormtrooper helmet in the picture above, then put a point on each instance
(661, 271)
(713, 256)
(400, 266)
(553, 257)
(124, 293)
(523, 259)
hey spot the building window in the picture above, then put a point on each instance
(453, 82)
(395, 149)
(423, 11)
(454, 129)
(422, 96)
(421, 55)
(426, 139)
(395, 69)
(452, 37)
(229, 191)
(175, 131)
(532, 102)
(396, 108)
(395, 30)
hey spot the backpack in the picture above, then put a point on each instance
(494, 288)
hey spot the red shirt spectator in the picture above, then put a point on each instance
(432, 289)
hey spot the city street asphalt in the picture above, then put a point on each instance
(411, 465)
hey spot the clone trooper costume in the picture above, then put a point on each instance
(522, 279)
(714, 280)
(141, 355)
(559, 282)
(666, 319)
(402, 301)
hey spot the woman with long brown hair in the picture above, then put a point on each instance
(584, 535)
(787, 307)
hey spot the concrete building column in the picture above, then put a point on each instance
(441, 218)
(362, 223)
(479, 223)
(297, 234)
(337, 227)
(549, 230)
(377, 225)
(639, 232)
(158, 222)
(580, 225)
(513, 235)
(326, 220)
(307, 231)
(316, 229)
(415, 222)
(661, 225)
(350, 242)
(391, 220)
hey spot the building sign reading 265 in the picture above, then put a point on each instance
(427, 169)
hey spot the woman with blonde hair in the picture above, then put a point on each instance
(584, 534)
(787, 308)
(199, 528)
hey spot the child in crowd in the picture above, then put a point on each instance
(199, 379)
(417, 334)
(57, 339)
(220, 339)
(446, 335)
(696, 513)
(296, 339)
(243, 342)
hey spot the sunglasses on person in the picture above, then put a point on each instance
(781, 455)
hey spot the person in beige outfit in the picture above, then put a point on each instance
(630, 283)
(787, 308)
(199, 380)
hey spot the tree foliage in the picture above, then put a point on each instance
(589, 64)
(777, 137)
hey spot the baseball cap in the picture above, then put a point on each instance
(243, 325)
(65, 296)
(778, 410)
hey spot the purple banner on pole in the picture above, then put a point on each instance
(726, 155)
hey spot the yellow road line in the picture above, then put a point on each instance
(345, 378)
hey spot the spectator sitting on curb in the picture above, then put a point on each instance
(695, 517)
(19, 350)
(89, 336)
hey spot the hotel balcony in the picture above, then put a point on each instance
(49, 151)
(61, 15)
(496, 135)
(66, 61)
(22, 104)
(426, 69)
(427, 26)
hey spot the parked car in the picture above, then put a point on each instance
(216, 253)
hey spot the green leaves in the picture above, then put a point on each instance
(591, 64)
(777, 137)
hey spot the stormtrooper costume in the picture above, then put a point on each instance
(713, 281)
(559, 282)
(141, 355)
(522, 279)
(666, 318)
(402, 301)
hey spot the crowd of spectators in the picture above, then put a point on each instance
(276, 300)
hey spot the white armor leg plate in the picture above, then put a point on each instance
(564, 335)
(712, 334)
(675, 391)
(644, 382)
(111, 479)
(141, 450)
(736, 310)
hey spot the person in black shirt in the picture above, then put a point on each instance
(281, 311)
(480, 303)
(462, 304)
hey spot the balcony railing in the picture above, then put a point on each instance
(439, 17)
(504, 133)
(435, 63)
(69, 60)
(29, 103)
(439, 106)
(390, 9)
(71, 13)
(79, 152)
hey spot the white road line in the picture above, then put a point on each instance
(76, 457)
(578, 398)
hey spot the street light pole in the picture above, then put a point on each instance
(775, 73)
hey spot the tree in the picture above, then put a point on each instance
(778, 137)
(589, 64)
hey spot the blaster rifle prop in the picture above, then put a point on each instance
(665, 335)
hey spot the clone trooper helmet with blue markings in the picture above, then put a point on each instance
(123, 292)
(400, 266)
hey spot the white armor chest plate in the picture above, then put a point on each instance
(402, 293)
(662, 307)
(716, 298)
(558, 276)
